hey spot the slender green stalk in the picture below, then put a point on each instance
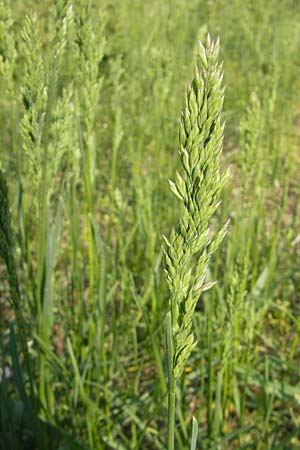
(43, 144)
(210, 374)
(89, 52)
(7, 254)
(171, 384)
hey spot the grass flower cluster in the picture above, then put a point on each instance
(201, 139)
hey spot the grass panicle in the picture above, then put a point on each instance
(199, 188)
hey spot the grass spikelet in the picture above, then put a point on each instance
(89, 42)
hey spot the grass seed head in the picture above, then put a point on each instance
(199, 189)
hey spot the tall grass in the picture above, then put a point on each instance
(201, 136)
(91, 94)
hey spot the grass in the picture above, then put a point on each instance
(201, 142)
(90, 111)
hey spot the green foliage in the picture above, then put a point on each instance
(7, 47)
(6, 244)
(91, 94)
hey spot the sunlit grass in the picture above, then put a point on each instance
(91, 94)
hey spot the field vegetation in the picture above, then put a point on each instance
(132, 318)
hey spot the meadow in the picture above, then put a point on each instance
(132, 318)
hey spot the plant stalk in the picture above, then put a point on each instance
(171, 384)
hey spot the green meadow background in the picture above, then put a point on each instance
(90, 104)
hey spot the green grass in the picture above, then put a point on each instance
(91, 96)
